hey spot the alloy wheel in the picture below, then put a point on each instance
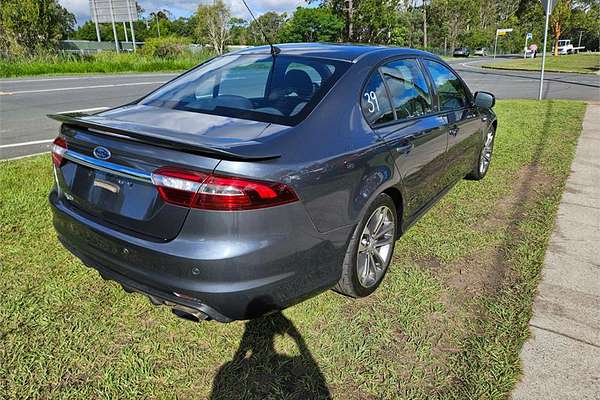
(375, 246)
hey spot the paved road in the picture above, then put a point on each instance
(24, 103)
(525, 84)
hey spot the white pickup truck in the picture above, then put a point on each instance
(565, 47)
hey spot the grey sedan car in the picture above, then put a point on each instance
(266, 176)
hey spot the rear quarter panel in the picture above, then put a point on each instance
(333, 160)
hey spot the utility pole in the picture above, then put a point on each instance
(157, 23)
(424, 24)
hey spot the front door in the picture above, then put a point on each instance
(464, 124)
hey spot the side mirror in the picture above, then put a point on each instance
(485, 100)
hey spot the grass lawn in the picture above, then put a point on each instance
(448, 321)
(106, 62)
(581, 63)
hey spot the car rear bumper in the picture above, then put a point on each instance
(242, 270)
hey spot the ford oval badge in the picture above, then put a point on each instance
(102, 153)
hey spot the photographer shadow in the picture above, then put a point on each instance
(257, 371)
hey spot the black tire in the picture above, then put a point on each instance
(350, 283)
(478, 172)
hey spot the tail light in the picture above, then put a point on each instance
(59, 147)
(215, 192)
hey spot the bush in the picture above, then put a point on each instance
(166, 47)
(106, 61)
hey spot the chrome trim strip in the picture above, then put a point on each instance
(109, 167)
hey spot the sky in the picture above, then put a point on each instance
(184, 8)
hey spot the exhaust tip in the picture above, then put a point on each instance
(190, 315)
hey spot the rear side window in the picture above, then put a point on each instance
(451, 92)
(375, 102)
(408, 88)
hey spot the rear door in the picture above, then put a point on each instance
(415, 136)
(464, 124)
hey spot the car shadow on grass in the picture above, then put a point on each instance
(258, 371)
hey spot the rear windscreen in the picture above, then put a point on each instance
(281, 89)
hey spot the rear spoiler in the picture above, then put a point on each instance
(97, 125)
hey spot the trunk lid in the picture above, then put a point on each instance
(106, 171)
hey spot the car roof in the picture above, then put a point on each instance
(344, 52)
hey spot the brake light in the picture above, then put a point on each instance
(176, 186)
(214, 192)
(59, 147)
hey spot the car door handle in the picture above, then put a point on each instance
(405, 149)
(454, 130)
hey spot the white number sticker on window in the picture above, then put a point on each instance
(373, 102)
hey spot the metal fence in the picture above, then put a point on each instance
(88, 46)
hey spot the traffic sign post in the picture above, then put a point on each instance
(500, 32)
(548, 6)
(527, 37)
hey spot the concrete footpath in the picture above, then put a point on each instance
(561, 360)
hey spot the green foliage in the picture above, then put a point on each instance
(450, 23)
(30, 26)
(312, 25)
(270, 25)
(212, 25)
(166, 47)
(104, 62)
(238, 31)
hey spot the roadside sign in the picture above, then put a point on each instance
(527, 37)
(107, 11)
(548, 5)
(112, 11)
(500, 32)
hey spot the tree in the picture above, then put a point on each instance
(270, 23)
(213, 25)
(312, 25)
(31, 26)
(559, 21)
(238, 31)
(459, 17)
(157, 16)
(373, 21)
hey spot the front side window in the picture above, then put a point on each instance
(257, 86)
(451, 92)
(375, 102)
(408, 88)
